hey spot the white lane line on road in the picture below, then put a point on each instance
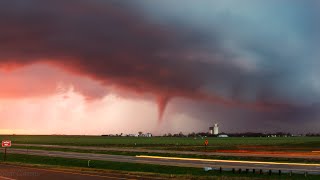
(228, 161)
(6, 178)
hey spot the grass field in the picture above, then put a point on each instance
(176, 143)
(305, 144)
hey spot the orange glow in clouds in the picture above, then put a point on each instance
(56, 114)
(39, 99)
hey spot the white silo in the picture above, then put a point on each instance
(216, 129)
(210, 130)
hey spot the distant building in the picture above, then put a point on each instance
(210, 130)
(216, 129)
(223, 135)
(144, 135)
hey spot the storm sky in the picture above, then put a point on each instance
(101, 67)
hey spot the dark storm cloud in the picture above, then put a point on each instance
(112, 43)
(205, 54)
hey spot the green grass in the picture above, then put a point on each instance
(165, 143)
(126, 153)
(133, 167)
(175, 143)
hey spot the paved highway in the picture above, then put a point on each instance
(183, 162)
(310, 155)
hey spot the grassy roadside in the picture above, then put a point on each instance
(159, 170)
(125, 153)
(179, 143)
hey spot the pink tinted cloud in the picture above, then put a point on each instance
(41, 80)
(111, 44)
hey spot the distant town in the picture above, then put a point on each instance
(214, 132)
(220, 135)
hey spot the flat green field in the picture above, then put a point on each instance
(296, 144)
(176, 143)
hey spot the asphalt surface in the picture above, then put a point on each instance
(182, 162)
(315, 155)
(13, 172)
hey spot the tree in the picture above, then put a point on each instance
(193, 134)
(181, 134)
